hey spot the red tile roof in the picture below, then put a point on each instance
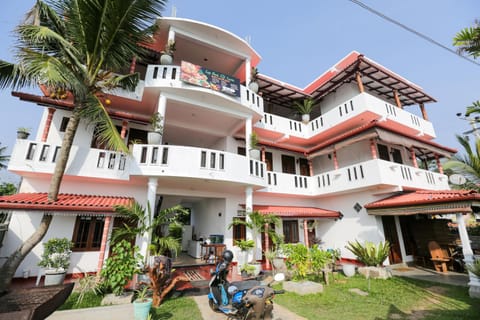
(65, 202)
(297, 212)
(422, 197)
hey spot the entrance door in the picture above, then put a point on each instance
(290, 231)
(288, 164)
(304, 167)
(391, 236)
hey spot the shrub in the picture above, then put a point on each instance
(369, 253)
(302, 261)
(56, 254)
(474, 268)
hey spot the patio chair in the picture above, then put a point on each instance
(438, 257)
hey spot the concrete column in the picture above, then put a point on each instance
(474, 283)
(403, 252)
(267, 247)
(48, 123)
(424, 112)
(305, 232)
(133, 64)
(144, 240)
(414, 158)
(373, 149)
(335, 160)
(171, 35)
(123, 133)
(439, 164)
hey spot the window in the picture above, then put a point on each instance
(288, 164)
(290, 231)
(239, 230)
(63, 125)
(87, 234)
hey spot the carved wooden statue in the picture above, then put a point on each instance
(161, 280)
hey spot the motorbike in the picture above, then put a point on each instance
(241, 300)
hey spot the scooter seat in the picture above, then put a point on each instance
(245, 285)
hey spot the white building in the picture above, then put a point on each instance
(363, 144)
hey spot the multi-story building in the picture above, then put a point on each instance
(363, 144)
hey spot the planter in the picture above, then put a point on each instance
(253, 86)
(278, 263)
(22, 135)
(166, 59)
(254, 154)
(348, 270)
(154, 137)
(305, 118)
(142, 308)
(54, 278)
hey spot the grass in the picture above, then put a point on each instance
(396, 298)
(181, 308)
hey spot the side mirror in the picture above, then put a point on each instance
(279, 277)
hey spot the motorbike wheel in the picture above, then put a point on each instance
(212, 305)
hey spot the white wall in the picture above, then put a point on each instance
(342, 94)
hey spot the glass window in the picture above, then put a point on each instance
(87, 234)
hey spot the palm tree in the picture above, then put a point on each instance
(467, 165)
(76, 46)
(3, 158)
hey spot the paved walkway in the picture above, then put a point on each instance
(125, 311)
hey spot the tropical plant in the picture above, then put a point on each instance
(169, 48)
(142, 294)
(369, 253)
(7, 188)
(141, 222)
(253, 140)
(156, 122)
(77, 46)
(245, 245)
(253, 74)
(56, 254)
(120, 267)
(3, 158)
(305, 107)
(297, 259)
(256, 222)
(474, 268)
(248, 269)
(467, 165)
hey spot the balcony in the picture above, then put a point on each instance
(372, 173)
(359, 110)
(168, 77)
(33, 157)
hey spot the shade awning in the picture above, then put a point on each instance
(426, 202)
(65, 202)
(297, 212)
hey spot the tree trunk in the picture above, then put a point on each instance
(7, 271)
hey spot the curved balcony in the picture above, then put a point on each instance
(372, 173)
(168, 77)
(359, 110)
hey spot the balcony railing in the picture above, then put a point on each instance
(366, 174)
(359, 104)
(169, 76)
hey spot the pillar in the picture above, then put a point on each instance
(373, 149)
(474, 283)
(310, 167)
(335, 160)
(133, 65)
(103, 245)
(414, 158)
(48, 124)
(144, 240)
(424, 112)
(123, 133)
(267, 247)
(263, 154)
(439, 164)
(359, 82)
(397, 99)
(305, 232)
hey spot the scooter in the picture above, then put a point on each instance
(242, 300)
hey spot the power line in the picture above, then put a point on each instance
(401, 25)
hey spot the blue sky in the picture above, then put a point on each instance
(299, 40)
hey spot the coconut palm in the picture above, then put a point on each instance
(468, 40)
(3, 158)
(467, 165)
(76, 46)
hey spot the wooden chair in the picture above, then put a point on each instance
(439, 257)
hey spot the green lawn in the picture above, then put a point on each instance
(396, 298)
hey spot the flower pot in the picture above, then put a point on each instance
(305, 118)
(141, 308)
(254, 154)
(348, 270)
(253, 86)
(154, 137)
(54, 278)
(166, 59)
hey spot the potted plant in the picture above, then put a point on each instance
(253, 85)
(142, 304)
(305, 107)
(254, 151)
(166, 56)
(23, 133)
(56, 260)
(155, 135)
(245, 247)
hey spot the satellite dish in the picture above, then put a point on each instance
(457, 179)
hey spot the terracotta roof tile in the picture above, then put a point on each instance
(297, 212)
(422, 197)
(65, 202)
